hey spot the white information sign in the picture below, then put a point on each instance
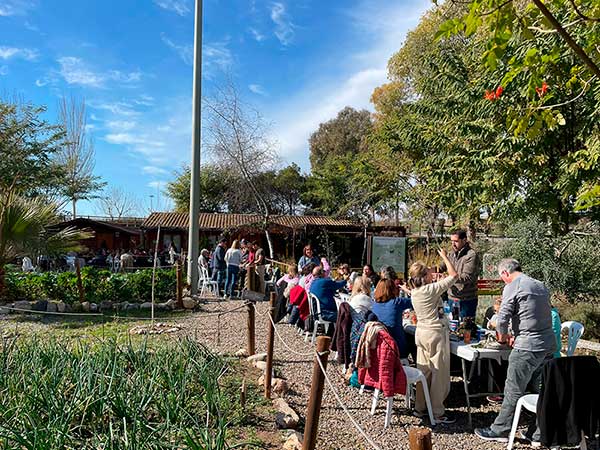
(389, 251)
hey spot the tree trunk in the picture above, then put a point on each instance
(74, 209)
(471, 231)
(364, 252)
(269, 242)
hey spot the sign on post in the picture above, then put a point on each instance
(389, 251)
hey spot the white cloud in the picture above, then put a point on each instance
(177, 6)
(120, 125)
(159, 137)
(155, 184)
(15, 7)
(76, 71)
(216, 56)
(296, 128)
(144, 100)
(257, 35)
(185, 52)
(13, 52)
(116, 108)
(297, 117)
(3, 70)
(153, 170)
(257, 89)
(284, 29)
(41, 82)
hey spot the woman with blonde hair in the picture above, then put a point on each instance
(360, 300)
(233, 259)
(432, 336)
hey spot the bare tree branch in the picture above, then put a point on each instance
(117, 203)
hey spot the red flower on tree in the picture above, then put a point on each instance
(541, 91)
(493, 95)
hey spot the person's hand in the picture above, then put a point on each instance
(442, 253)
(503, 338)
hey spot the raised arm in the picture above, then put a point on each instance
(449, 267)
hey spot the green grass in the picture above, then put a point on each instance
(107, 394)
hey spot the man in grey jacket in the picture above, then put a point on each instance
(466, 263)
(525, 303)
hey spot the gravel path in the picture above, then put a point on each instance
(227, 334)
(336, 430)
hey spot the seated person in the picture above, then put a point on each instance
(289, 277)
(307, 257)
(343, 273)
(388, 307)
(489, 319)
(325, 289)
(370, 273)
(360, 300)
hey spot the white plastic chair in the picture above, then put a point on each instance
(315, 312)
(413, 376)
(529, 402)
(574, 334)
(205, 282)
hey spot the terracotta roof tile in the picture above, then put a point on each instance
(220, 221)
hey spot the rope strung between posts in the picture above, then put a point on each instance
(50, 313)
(283, 340)
(341, 403)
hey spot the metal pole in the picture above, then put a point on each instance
(192, 273)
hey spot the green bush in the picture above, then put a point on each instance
(98, 285)
(587, 314)
(568, 265)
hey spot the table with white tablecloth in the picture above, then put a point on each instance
(475, 354)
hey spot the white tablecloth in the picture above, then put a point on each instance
(467, 351)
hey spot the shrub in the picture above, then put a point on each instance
(568, 265)
(98, 285)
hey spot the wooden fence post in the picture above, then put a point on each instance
(311, 427)
(419, 438)
(251, 346)
(270, 343)
(79, 282)
(179, 285)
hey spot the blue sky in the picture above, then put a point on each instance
(297, 62)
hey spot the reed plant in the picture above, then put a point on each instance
(168, 395)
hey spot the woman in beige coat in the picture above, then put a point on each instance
(432, 336)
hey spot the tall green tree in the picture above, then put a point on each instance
(345, 134)
(27, 147)
(213, 189)
(447, 123)
(548, 54)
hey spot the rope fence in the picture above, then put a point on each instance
(219, 314)
(344, 407)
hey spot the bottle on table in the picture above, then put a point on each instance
(455, 310)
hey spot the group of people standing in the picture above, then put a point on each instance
(226, 265)
(525, 309)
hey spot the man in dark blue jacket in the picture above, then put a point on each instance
(325, 289)
(219, 265)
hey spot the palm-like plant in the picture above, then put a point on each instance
(26, 229)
